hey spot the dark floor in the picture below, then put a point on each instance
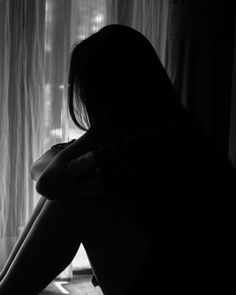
(80, 285)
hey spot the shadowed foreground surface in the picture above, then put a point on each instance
(80, 285)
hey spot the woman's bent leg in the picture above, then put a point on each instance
(116, 246)
(48, 248)
(22, 237)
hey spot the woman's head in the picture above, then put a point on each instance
(116, 80)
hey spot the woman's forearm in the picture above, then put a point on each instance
(41, 164)
(53, 182)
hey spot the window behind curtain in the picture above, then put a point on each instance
(67, 22)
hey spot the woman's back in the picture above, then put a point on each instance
(178, 187)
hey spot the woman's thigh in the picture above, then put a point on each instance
(115, 244)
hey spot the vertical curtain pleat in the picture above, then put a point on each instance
(199, 61)
(21, 112)
(57, 48)
(232, 140)
(4, 126)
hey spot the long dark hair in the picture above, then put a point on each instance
(116, 80)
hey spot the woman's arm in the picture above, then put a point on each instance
(75, 169)
(41, 164)
(55, 182)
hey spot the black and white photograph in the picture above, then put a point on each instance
(117, 147)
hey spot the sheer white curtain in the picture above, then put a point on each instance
(67, 22)
(21, 112)
(36, 38)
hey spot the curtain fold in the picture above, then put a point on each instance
(232, 139)
(21, 122)
(199, 61)
(57, 49)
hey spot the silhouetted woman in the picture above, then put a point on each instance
(138, 189)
